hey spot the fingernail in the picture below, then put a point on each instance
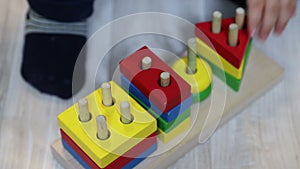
(263, 38)
(252, 34)
(277, 33)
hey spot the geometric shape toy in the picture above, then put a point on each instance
(234, 55)
(169, 116)
(200, 81)
(213, 57)
(122, 136)
(220, 70)
(121, 162)
(147, 81)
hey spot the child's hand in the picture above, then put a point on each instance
(268, 14)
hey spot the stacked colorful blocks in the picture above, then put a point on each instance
(196, 72)
(126, 144)
(225, 59)
(170, 104)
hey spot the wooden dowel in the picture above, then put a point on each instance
(84, 113)
(216, 22)
(164, 79)
(233, 34)
(126, 117)
(240, 17)
(146, 63)
(107, 99)
(191, 68)
(102, 131)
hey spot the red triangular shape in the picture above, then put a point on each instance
(233, 55)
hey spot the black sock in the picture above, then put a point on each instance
(49, 58)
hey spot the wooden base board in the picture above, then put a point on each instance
(261, 75)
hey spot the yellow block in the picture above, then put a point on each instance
(167, 137)
(198, 81)
(122, 136)
(211, 55)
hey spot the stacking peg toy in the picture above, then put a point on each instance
(164, 79)
(227, 52)
(240, 17)
(106, 94)
(146, 63)
(216, 22)
(159, 89)
(84, 113)
(196, 72)
(102, 130)
(108, 129)
(192, 61)
(233, 34)
(126, 117)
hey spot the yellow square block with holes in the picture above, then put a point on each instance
(167, 137)
(122, 136)
(208, 53)
(199, 81)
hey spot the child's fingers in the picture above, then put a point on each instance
(255, 10)
(270, 18)
(287, 10)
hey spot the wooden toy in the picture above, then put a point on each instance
(104, 138)
(261, 75)
(207, 53)
(108, 129)
(176, 131)
(232, 45)
(126, 116)
(216, 22)
(233, 54)
(221, 67)
(162, 124)
(240, 17)
(84, 113)
(201, 79)
(170, 99)
(165, 98)
(233, 33)
(150, 106)
(142, 150)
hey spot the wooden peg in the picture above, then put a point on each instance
(146, 63)
(107, 99)
(126, 117)
(191, 69)
(84, 113)
(233, 34)
(216, 22)
(164, 79)
(102, 131)
(240, 17)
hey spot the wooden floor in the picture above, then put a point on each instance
(265, 135)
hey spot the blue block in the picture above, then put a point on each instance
(168, 116)
(75, 155)
(130, 165)
(141, 157)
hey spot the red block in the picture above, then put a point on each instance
(233, 55)
(119, 162)
(148, 81)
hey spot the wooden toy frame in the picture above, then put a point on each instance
(261, 75)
